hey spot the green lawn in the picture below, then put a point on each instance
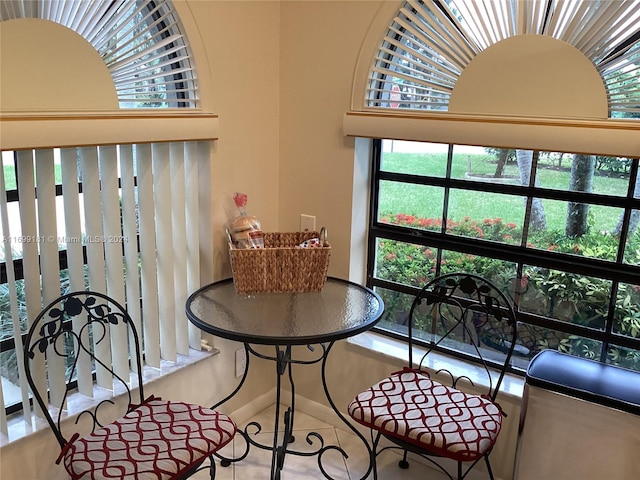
(10, 176)
(426, 202)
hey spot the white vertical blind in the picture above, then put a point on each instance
(112, 244)
(179, 240)
(3, 416)
(129, 232)
(133, 211)
(75, 258)
(30, 262)
(194, 152)
(13, 300)
(49, 265)
(95, 252)
(148, 255)
(164, 245)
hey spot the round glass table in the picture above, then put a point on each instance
(284, 320)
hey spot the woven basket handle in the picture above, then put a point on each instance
(324, 236)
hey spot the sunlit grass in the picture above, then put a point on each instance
(426, 202)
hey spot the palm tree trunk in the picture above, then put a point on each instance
(582, 171)
(538, 219)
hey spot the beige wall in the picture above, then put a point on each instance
(320, 44)
(241, 41)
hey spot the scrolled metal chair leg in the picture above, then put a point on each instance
(212, 468)
(486, 460)
(404, 463)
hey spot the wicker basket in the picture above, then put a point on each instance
(281, 266)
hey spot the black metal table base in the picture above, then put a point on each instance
(283, 436)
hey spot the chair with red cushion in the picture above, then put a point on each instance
(127, 435)
(432, 412)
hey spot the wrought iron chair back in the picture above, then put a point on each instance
(468, 314)
(457, 418)
(52, 335)
(124, 435)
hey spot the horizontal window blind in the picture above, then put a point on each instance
(429, 44)
(141, 42)
(127, 224)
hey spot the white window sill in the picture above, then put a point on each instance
(395, 351)
(20, 427)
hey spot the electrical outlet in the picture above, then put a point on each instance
(241, 362)
(307, 223)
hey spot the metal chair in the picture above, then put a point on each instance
(438, 419)
(150, 438)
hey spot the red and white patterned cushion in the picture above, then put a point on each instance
(412, 407)
(157, 441)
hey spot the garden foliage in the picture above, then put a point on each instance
(557, 295)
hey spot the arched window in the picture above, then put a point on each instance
(523, 164)
(141, 42)
(431, 43)
(100, 183)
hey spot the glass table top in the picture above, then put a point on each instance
(341, 309)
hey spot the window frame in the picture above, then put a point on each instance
(616, 272)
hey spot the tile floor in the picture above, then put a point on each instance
(257, 464)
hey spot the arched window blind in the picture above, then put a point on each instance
(430, 42)
(141, 42)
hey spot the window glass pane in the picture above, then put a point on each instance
(531, 340)
(577, 229)
(415, 206)
(535, 339)
(581, 173)
(485, 215)
(6, 323)
(579, 346)
(9, 170)
(627, 311)
(611, 175)
(632, 247)
(500, 272)
(598, 217)
(624, 357)
(565, 296)
(415, 158)
(404, 263)
(485, 164)
(396, 310)
(433, 321)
